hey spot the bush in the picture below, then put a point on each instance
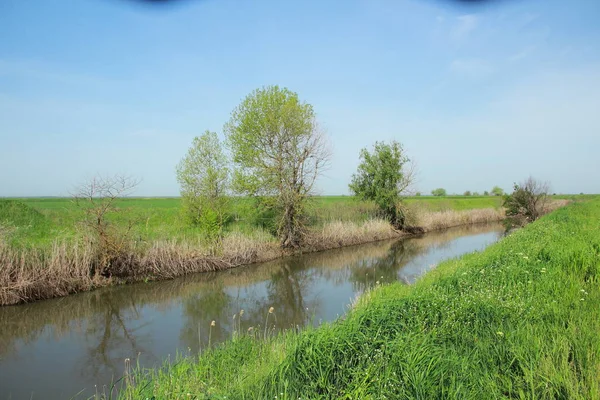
(203, 175)
(112, 242)
(528, 200)
(383, 176)
(497, 191)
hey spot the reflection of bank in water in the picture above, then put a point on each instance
(27, 321)
(98, 330)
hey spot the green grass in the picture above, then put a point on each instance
(518, 320)
(39, 221)
(456, 203)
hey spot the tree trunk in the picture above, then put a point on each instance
(290, 231)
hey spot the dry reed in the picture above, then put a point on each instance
(554, 204)
(30, 274)
(344, 233)
(431, 221)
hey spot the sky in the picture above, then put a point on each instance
(479, 95)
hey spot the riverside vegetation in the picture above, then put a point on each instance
(257, 205)
(518, 320)
(44, 254)
(252, 203)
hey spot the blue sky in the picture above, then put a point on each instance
(479, 96)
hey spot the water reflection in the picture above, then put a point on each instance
(58, 347)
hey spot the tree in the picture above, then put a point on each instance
(476, 194)
(438, 192)
(528, 199)
(486, 193)
(278, 152)
(467, 193)
(110, 240)
(497, 191)
(383, 176)
(203, 176)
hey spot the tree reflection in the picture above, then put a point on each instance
(213, 303)
(112, 335)
(287, 291)
(284, 288)
(366, 273)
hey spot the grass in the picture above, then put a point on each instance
(455, 203)
(40, 221)
(46, 253)
(518, 320)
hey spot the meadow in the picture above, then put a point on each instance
(518, 320)
(40, 221)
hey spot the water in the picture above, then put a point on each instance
(54, 349)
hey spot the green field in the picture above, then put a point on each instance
(518, 320)
(39, 221)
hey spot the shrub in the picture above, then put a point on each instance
(527, 200)
(382, 177)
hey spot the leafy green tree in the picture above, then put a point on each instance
(383, 176)
(278, 152)
(476, 194)
(486, 193)
(497, 191)
(203, 176)
(438, 192)
(467, 193)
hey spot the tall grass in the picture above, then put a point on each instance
(344, 233)
(33, 274)
(518, 320)
(68, 265)
(436, 220)
(29, 274)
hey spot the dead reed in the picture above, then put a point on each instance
(68, 266)
(33, 274)
(431, 221)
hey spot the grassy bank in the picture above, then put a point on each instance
(41, 221)
(43, 255)
(519, 320)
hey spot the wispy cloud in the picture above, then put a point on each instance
(32, 69)
(526, 52)
(527, 19)
(471, 67)
(465, 25)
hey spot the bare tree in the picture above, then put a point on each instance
(97, 199)
(529, 199)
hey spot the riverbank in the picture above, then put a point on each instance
(519, 319)
(101, 328)
(31, 274)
